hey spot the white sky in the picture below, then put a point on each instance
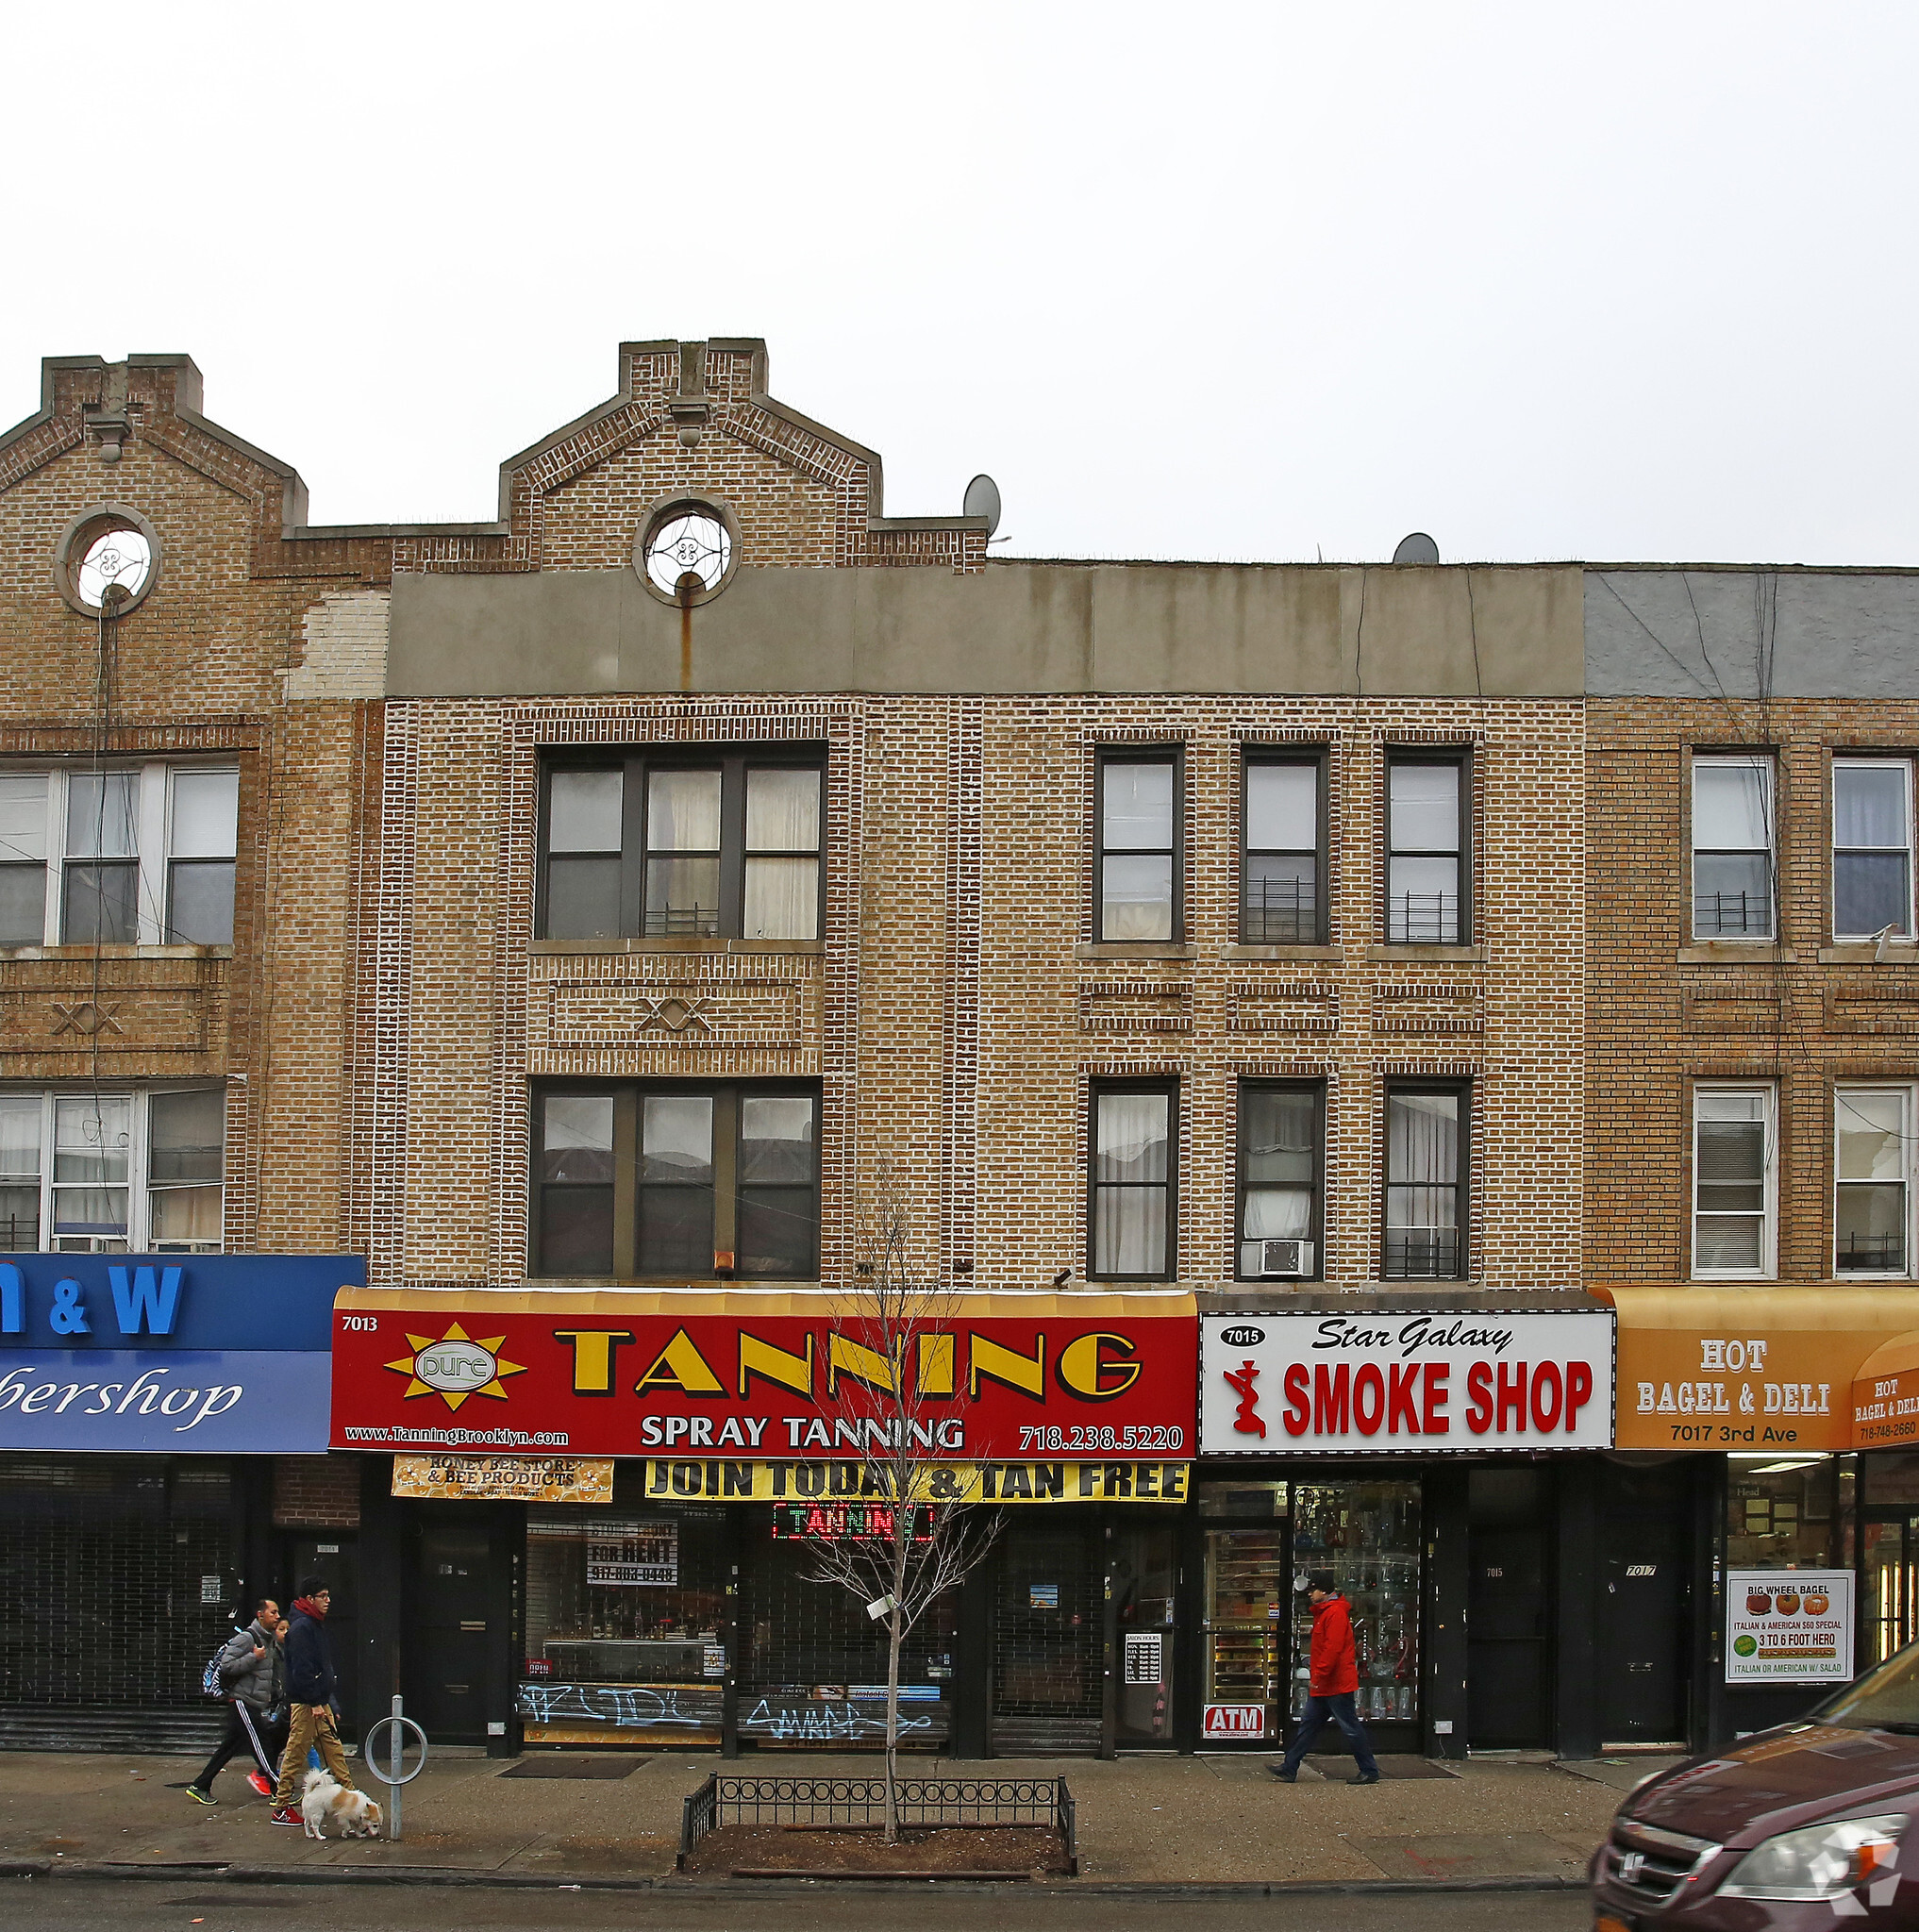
(1618, 281)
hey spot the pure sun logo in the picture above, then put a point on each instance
(455, 1366)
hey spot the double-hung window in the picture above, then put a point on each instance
(1138, 886)
(1732, 845)
(1132, 1216)
(1282, 866)
(1282, 1137)
(1872, 847)
(1873, 1180)
(1425, 1182)
(109, 1173)
(128, 854)
(1428, 891)
(1735, 1181)
(684, 1179)
(676, 844)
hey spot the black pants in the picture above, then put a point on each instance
(246, 1730)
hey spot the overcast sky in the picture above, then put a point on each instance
(1609, 281)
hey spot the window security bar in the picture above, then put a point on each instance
(682, 921)
(1421, 1254)
(1422, 919)
(1281, 913)
(1868, 1254)
(1717, 915)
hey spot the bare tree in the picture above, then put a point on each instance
(891, 1365)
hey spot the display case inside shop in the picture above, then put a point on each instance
(1368, 1534)
(1245, 1595)
(626, 1626)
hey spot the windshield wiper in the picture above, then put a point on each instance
(1906, 1727)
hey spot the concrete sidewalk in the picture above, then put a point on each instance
(1141, 1820)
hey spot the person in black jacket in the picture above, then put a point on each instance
(312, 1681)
(251, 1675)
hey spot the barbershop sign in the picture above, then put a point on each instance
(767, 1381)
(168, 1354)
(1405, 1384)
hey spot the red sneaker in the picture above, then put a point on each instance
(285, 1814)
(260, 1783)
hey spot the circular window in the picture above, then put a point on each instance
(107, 559)
(685, 550)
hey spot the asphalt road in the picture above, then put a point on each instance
(45, 1904)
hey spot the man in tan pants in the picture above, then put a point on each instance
(310, 1683)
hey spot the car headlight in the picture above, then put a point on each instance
(1822, 1861)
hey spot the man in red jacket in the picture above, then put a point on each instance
(1333, 1677)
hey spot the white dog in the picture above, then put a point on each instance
(323, 1797)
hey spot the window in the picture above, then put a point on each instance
(1872, 847)
(667, 845)
(1426, 1154)
(136, 854)
(1734, 1181)
(1131, 1214)
(1872, 1169)
(1425, 851)
(109, 1173)
(1283, 869)
(1732, 848)
(1138, 885)
(1281, 1174)
(680, 1179)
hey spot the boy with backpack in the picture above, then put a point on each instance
(248, 1673)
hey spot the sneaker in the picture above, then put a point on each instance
(260, 1784)
(1285, 1776)
(285, 1814)
(199, 1796)
(1365, 1777)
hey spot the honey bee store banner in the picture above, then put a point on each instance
(1786, 1626)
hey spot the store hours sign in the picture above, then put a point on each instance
(1407, 1384)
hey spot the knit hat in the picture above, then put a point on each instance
(1322, 1580)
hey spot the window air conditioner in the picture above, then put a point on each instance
(1268, 1258)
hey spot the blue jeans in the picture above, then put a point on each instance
(1319, 1711)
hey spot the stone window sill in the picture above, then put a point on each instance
(1135, 949)
(70, 953)
(566, 949)
(1736, 952)
(1461, 956)
(1335, 954)
(1866, 953)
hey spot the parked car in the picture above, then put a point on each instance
(1807, 1825)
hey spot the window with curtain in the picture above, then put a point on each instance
(1281, 1174)
(692, 1180)
(1871, 1174)
(667, 844)
(1734, 1181)
(1732, 846)
(1132, 1213)
(1426, 850)
(1426, 1152)
(120, 1171)
(1139, 845)
(1872, 847)
(1282, 864)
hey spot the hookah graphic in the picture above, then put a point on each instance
(1246, 1422)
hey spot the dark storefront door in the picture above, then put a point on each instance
(1145, 1591)
(1509, 1612)
(1048, 1634)
(446, 1644)
(1644, 1624)
(334, 1557)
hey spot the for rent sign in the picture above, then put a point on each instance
(1408, 1384)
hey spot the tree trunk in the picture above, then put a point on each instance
(896, 1621)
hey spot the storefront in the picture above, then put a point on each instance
(1774, 1423)
(609, 1515)
(143, 1401)
(1416, 1453)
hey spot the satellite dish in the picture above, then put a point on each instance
(983, 500)
(1417, 548)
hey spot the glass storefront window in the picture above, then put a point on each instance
(1245, 1594)
(625, 1620)
(1780, 1514)
(1367, 1534)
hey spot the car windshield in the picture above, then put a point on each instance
(1886, 1698)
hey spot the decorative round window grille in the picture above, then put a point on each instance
(686, 551)
(107, 559)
